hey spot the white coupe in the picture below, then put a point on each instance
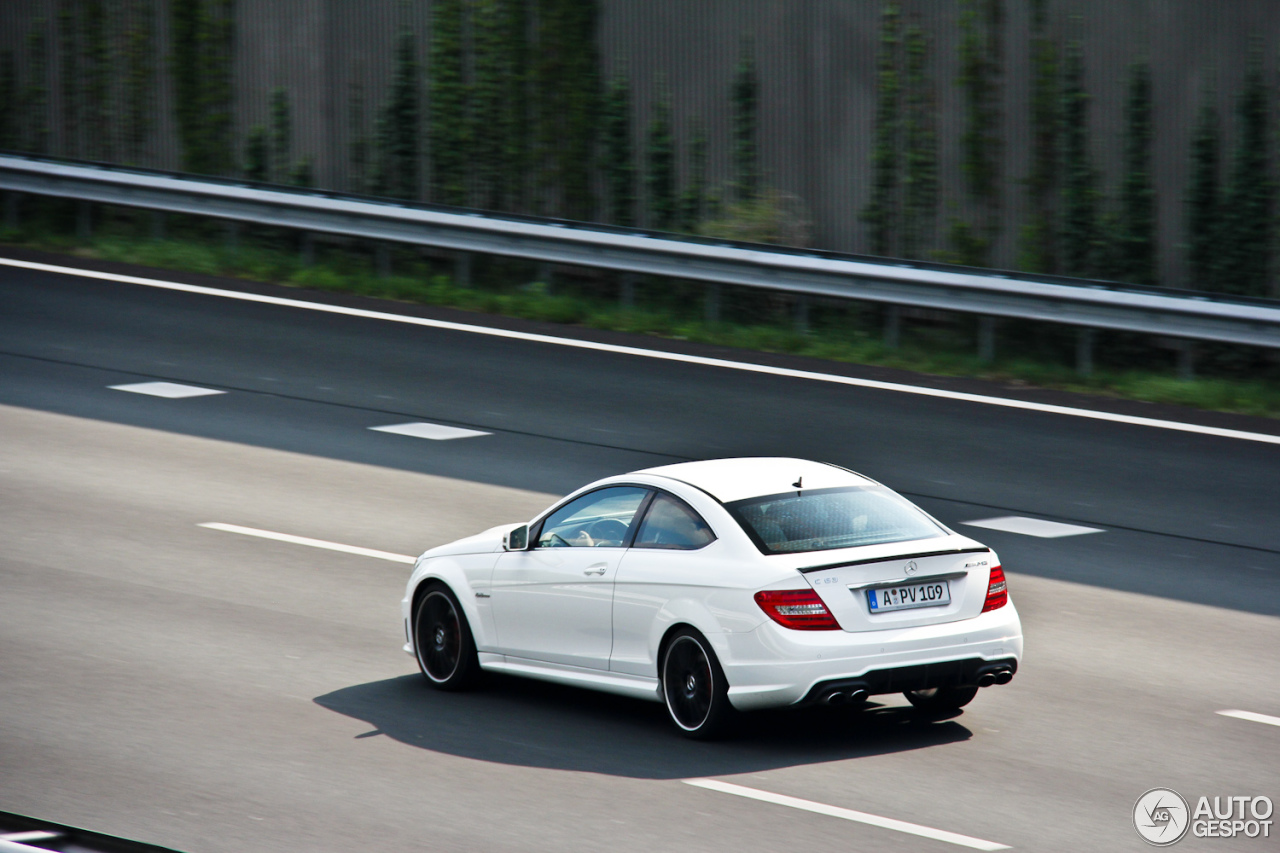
(731, 584)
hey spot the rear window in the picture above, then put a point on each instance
(824, 519)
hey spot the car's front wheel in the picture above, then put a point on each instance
(694, 688)
(941, 700)
(442, 640)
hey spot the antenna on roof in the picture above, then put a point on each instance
(799, 483)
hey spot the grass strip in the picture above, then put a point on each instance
(844, 333)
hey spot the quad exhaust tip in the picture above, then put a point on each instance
(841, 697)
(994, 675)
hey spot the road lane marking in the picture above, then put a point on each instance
(654, 354)
(1252, 717)
(846, 814)
(7, 846)
(434, 432)
(1032, 526)
(310, 543)
(168, 390)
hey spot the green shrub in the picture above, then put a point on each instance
(320, 278)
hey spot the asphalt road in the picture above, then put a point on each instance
(214, 692)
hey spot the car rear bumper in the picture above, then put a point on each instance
(773, 666)
(950, 673)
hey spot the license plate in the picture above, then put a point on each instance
(906, 596)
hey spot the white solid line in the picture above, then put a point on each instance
(1252, 717)
(846, 814)
(433, 432)
(312, 543)
(664, 356)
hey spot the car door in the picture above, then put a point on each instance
(670, 554)
(554, 602)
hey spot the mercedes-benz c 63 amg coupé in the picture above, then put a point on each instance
(721, 586)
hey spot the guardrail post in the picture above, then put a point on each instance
(11, 210)
(892, 326)
(802, 315)
(231, 231)
(84, 220)
(157, 225)
(1186, 360)
(308, 249)
(462, 269)
(627, 291)
(711, 303)
(986, 339)
(543, 275)
(1084, 351)
(382, 260)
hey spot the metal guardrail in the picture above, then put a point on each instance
(1088, 305)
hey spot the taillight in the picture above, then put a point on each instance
(800, 609)
(997, 591)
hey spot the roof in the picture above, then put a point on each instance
(735, 479)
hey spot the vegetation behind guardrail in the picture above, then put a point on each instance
(1083, 137)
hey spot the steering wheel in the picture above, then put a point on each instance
(607, 531)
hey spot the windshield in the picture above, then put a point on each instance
(824, 519)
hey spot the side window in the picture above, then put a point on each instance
(671, 523)
(599, 519)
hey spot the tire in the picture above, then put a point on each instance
(442, 640)
(941, 700)
(694, 689)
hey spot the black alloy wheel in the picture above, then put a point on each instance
(442, 640)
(694, 687)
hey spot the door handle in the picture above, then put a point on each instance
(597, 569)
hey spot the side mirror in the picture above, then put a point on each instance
(517, 539)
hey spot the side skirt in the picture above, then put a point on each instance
(634, 686)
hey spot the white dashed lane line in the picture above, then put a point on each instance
(168, 390)
(416, 429)
(1032, 526)
(310, 543)
(433, 432)
(846, 814)
(1252, 717)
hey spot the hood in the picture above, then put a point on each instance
(485, 542)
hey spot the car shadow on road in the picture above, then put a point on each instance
(528, 723)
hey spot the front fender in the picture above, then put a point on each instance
(466, 575)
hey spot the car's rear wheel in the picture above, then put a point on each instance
(442, 640)
(941, 700)
(694, 688)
